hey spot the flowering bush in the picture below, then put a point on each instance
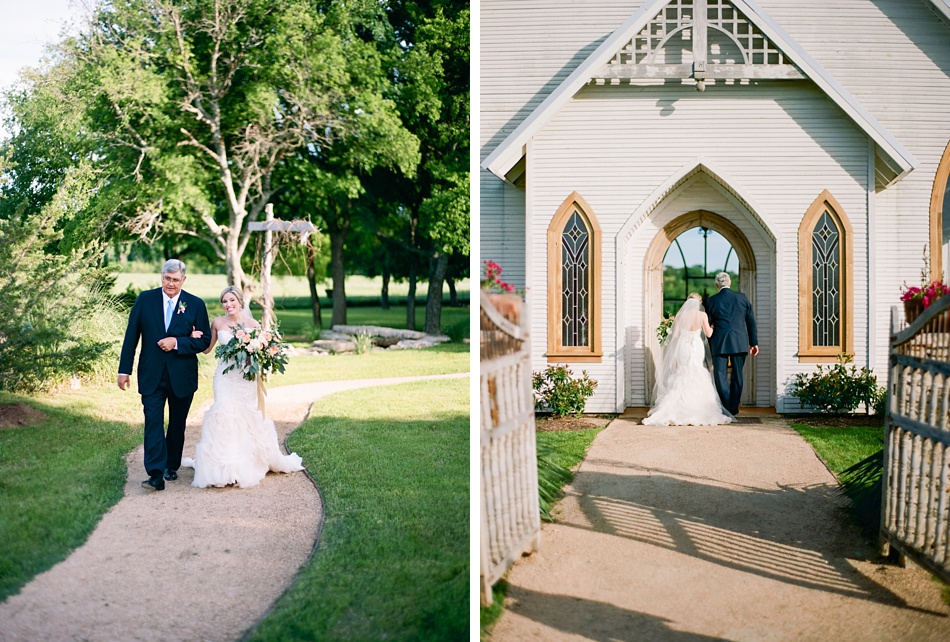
(663, 330)
(491, 282)
(254, 351)
(839, 388)
(560, 393)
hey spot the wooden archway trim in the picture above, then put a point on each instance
(653, 282)
(936, 215)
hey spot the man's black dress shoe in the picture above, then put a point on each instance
(171, 475)
(154, 482)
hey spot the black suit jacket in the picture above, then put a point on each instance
(730, 315)
(147, 321)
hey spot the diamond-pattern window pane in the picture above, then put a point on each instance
(826, 283)
(575, 283)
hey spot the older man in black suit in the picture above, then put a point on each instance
(734, 336)
(164, 318)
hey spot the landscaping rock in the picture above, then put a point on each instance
(378, 331)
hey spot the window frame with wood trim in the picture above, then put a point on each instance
(558, 352)
(937, 231)
(808, 351)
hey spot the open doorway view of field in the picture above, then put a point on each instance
(235, 321)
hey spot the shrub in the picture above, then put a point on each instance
(557, 391)
(837, 389)
(363, 343)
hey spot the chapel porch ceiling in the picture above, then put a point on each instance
(701, 42)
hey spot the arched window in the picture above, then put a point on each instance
(574, 283)
(940, 219)
(825, 290)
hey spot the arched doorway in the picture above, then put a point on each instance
(654, 283)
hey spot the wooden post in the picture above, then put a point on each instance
(269, 226)
(267, 262)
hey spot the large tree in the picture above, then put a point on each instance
(432, 73)
(192, 108)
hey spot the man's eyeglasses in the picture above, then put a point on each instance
(171, 279)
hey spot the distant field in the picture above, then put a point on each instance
(209, 286)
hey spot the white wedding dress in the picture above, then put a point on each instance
(688, 396)
(238, 445)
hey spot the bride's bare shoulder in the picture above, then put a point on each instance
(251, 323)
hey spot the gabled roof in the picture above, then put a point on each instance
(893, 159)
(942, 7)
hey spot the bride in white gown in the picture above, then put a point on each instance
(685, 394)
(238, 445)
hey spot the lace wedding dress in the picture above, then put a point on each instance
(687, 395)
(238, 445)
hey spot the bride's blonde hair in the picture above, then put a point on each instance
(695, 295)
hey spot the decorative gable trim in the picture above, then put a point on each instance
(893, 160)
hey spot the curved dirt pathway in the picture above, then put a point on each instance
(711, 533)
(184, 563)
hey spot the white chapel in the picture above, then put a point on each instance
(813, 136)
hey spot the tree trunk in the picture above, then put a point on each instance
(437, 268)
(453, 294)
(312, 281)
(337, 271)
(384, 294)
(411, 298)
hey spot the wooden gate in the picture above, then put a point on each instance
(915, 519)
(510, 517)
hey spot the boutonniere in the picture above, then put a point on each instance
(182, 306)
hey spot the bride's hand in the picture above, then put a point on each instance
(196, 334)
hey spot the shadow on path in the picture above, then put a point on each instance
(594, 620)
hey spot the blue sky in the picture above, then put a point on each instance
(25, 28)
(692, 243)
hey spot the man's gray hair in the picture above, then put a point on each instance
(723, 280)
(173, 265)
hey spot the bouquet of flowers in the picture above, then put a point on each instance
(663, 330)
(253, 352)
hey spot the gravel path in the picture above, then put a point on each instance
(711, 533)
(184, 563)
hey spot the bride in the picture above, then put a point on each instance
(238, 445)
(685, 394)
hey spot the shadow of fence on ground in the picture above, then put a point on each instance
(594, 620)
(797, 535)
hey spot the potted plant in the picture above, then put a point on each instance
(917, 299)
(502, 295)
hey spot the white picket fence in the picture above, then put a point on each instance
(915, 519)
(510, 518)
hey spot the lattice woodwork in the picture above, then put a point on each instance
(700, 40)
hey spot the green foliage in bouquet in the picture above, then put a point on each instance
(663, 330)
(837, 389)
(254, 351)
(556, 390)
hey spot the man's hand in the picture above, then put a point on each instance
(754, 350)
(196, 334)
(123, 381)
(168, 344)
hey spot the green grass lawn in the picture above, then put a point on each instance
(58, 478)
(840, 447)
(392, 562)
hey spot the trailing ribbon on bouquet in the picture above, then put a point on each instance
(261, 393)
